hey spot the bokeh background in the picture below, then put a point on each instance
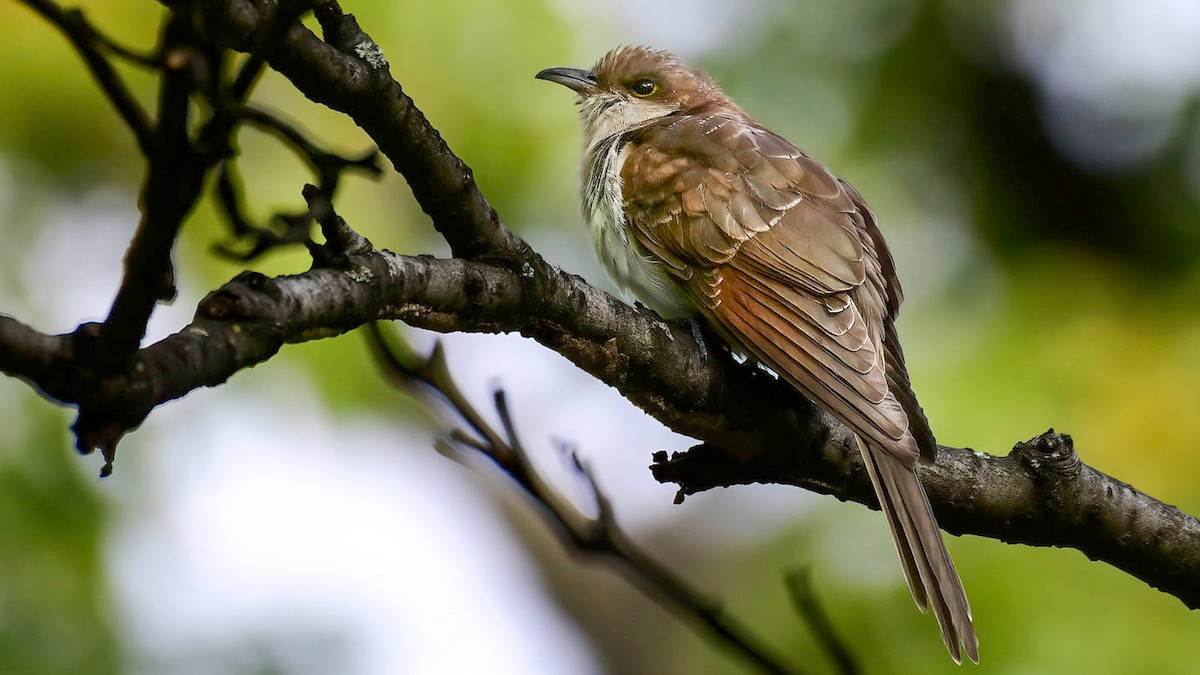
(1035, 166)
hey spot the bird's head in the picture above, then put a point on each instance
(633, 86)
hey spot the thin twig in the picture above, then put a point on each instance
(144, 59)
(599, 535)
(246, 77)
(406, 370)
(286, 228)
(229, 197)
(340, 241)
(324, 163)
(87, 42)
(286, 15)
(800, 587)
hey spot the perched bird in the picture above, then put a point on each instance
(700, 211)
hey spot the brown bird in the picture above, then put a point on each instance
(699, 210)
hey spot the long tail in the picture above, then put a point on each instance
(927, 566)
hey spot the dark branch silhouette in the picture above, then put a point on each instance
(751, 428)
(800, 587)
(288, 228)
(89, 43)
(598, 535)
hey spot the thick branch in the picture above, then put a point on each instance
(755, 429)
(1040, 494)
(174, 177)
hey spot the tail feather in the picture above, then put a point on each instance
(930, 572)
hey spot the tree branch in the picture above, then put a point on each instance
(290, 228)
(753, 428)
(756, 430)
(287, 13)
(174, 176)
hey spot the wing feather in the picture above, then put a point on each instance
(849, 381)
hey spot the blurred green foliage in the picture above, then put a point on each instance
(54, 612)
(1041, 293)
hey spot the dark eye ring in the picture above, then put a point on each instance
(643, 88)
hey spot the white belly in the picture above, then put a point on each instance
(631, 267)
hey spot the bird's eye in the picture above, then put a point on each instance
(643, 88)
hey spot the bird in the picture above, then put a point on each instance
(702, 213)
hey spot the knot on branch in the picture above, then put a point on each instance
(247, 297)
(1050, 457)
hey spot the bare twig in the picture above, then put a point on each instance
(341, 242)
(229, 198)
(600, 535)
(173, 181)
(348, 73)
(174, 177)
(286, 228)
(87, 42)
(800, 587)
(327, 165)
(144, 59)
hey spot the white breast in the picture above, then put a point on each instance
(631, 267)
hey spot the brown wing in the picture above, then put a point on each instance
(784, 259)
(786, 262)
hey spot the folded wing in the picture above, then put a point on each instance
(784, 259)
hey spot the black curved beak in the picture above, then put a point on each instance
(576, 79)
